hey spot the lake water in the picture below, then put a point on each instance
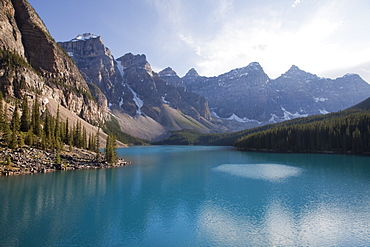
(193, 196)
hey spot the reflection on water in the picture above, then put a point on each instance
(270, 172)
(193, 196)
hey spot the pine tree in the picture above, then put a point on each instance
(84, 138)
(47, 131)
(29, 137)
(2, 116)
(66, 132)
(14, 124)
(14, 140)
(36, 118)
(91, 145)
(110, 150)
(14, 127)
(77, 135)
(25, 118)
(6, 128)
(97, 145)
(57, 125)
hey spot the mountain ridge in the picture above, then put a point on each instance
(247, 93)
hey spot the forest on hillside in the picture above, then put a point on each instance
(341, 133)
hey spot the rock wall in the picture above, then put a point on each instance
(33, 63)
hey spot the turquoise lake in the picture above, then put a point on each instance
(193, 196)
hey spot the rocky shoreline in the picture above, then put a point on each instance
(32, 161)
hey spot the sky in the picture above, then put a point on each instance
(329, 38)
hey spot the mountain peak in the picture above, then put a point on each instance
(294, 68)
(351, 75)
(192, 73)
(84, 37)
(295, 72)
(130, 60)
(167, 72)
(254, 65)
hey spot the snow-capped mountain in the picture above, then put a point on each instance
(307, 94)
(247, 94)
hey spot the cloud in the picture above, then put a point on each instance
(296, 3)
(267, 36)
(233, 33)
(170, 11)
(223, 8)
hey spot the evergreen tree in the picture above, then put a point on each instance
(25, 118)
(2, 115)
(84, 138)
(91, 145)
(110, 150)
(77, 135)
(36, 118)
(70, 140)
(14, 124)
(97, 145)
(47, 131)
(66, 132)
(29, 137)
(57, 125)
(14, 127)
(6, 127)
(14, 140)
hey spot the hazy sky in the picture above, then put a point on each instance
(325, 37)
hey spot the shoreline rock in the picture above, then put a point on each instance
(23, 161)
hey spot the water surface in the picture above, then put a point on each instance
(193, 196)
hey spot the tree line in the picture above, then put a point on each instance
(348, 133)
(27, 126)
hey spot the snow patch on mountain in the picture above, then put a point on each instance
(323, 111)
(320, 99)
(121, 102)
(139, 102)
(164, 100)
(289, 115)
(120, 68)
(274, 119)
(84, 37)
(235, 118)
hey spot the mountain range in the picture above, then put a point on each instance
(248, 95)
(88, 83)
(242, 98)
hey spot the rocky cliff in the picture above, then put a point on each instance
(33, 63)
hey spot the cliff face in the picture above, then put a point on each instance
(33, 63)
(96, 63)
